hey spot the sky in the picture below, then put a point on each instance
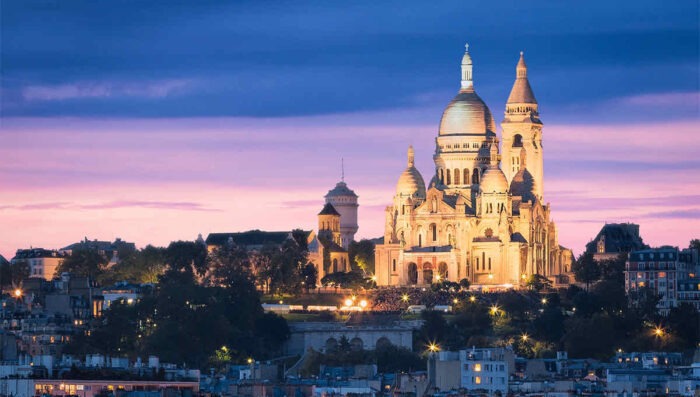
(155, 121)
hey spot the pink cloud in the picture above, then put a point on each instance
(153, 181)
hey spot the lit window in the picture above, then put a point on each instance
(477, 367)
(477, 380)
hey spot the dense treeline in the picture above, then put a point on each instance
(204, 310)
(586, 322)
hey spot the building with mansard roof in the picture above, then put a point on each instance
(482, 216)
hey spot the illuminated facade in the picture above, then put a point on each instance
(483, 216)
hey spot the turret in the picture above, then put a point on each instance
(522, 129)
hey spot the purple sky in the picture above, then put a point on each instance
(159, 123)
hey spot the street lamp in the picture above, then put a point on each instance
(525, 337)
(544, 301)
(433, 347)
(348, 302)
(404, 297)
(494, 310)
(18, 293)
(472, 298)
(363, 303)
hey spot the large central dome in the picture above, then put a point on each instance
(467, 114)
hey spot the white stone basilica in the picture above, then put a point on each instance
(476, 220)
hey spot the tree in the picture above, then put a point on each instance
(86, 262)
(585, 269)
(309, 276)
(538, 282)
(361, 255)
(19, 272)
(694, 244)
(645, 302)
(189, 256)
(142, 266)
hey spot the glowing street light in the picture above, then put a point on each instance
(472, 298)
(18, 293)
(494, 310)
(437, 277)
(455, 301)
(544, 301)
(404, 297)
(250, 360)
(525, 337)
(433, 347)
(348, 302)
(363, 303)
(374, 278)
(658, 331)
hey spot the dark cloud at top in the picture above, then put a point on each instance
(272, 59)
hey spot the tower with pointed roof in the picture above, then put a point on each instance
(482, 216)
(522, 131)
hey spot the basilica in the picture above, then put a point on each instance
(482, 217)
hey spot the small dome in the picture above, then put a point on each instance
(341, 189)
(467, 114)
(411, 181)
(493, 181)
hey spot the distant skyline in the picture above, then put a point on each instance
(160, 121)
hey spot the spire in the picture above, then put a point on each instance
(521, 69)
(467, 82)
(342, 169)
(521, 93)
(410, 156)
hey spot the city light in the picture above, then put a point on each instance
(494, 310)
(363, 303)
(525, 337)
(18, 293)
(472, 298)
(348, 302)
(404, 297)
(250, 360)
(658, 331)
(437, 277)
(491, 275)
(433, 347)
(455, 301)
(544, 301)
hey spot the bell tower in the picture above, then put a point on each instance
(522, 130)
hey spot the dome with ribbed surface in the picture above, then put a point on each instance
(411, 181)
(467, 114)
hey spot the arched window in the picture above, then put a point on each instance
(477, 263)
(518, 140)
(475, 176)
(449, 180)
(393, 265)
(442, 270)
(412, 273)
(466, 176)
(489, 264)
(456, 176)
(420, 240)
(442, 176)
(335, 265)
(433, 231)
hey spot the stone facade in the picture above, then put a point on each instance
(483, 215)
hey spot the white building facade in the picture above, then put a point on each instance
(483, 215)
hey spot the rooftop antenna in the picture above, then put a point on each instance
(342, 169)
